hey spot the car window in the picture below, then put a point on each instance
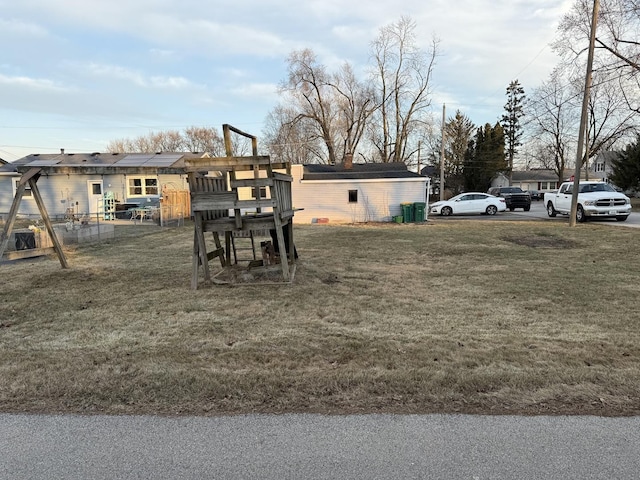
(465, 198)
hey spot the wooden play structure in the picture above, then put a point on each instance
(237, 196)
(231, 197)
(31, 178)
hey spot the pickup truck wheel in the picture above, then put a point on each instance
(492, 210)
(446, 211)
(511, 209)
(580, 216)
(550, 210)
(526, 209)
(621, 218)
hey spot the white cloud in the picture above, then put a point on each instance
(137, 78)
(169, 82)
(260, 91)
(28, 83)
(212, 38)
(15, 27)
(124, 58)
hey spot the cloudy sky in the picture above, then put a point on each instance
(76, 74)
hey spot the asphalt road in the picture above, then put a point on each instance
(319, 447)
(538, 212)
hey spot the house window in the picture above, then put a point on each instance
(263, 192)
(143, 186)
(353, 196)
(27, 191)
(599, 167)
(96, 188)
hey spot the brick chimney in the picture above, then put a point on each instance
(348, 161)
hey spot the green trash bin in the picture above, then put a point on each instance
(407, 212)
(419, 210)
(397, 218)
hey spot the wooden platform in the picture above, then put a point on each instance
(239, 195)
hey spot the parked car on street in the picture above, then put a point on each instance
(535, 194)
(515, 197)
(595, 199)
(469, 203)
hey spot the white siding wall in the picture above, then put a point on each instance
(378, 200)
(6, 192)
(118, 184)
(61, 191)
(58, 192)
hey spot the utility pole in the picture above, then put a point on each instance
(442, 156)
(583, 117)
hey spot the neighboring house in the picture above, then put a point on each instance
(542, 180)
(354, 192)
(601, 166)
(77, 182)
(8, 177)
(434, 175)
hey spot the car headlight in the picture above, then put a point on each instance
(589, 202)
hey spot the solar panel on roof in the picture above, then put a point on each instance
(133, 160)
(162, 160)
(44, 163)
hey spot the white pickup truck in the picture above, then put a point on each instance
(595, 199)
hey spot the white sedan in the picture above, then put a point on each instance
(468, 203)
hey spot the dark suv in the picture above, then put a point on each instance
(514, 197)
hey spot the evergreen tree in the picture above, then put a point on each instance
(485, 157)
(511, 121)
(626, 169)
(458, 133)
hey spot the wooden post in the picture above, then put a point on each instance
(31, 177)
(6, 233)
(33, 183)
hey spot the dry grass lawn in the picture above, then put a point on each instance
(492, 317)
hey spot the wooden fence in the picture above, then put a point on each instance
(175, 206)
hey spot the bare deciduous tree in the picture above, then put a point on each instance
(192, 139)
(289, 140)
(309, 86)
(402, 80)
(554, 112)
(609, 119)
(203, 139)
(325, 106)
(356, 104)
(617, 44)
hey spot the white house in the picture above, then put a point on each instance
(542, 180)
(78, 182)
(602, 165)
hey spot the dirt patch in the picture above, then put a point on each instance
(542, 241)
(252, 275)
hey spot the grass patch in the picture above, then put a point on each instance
(458, 316)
